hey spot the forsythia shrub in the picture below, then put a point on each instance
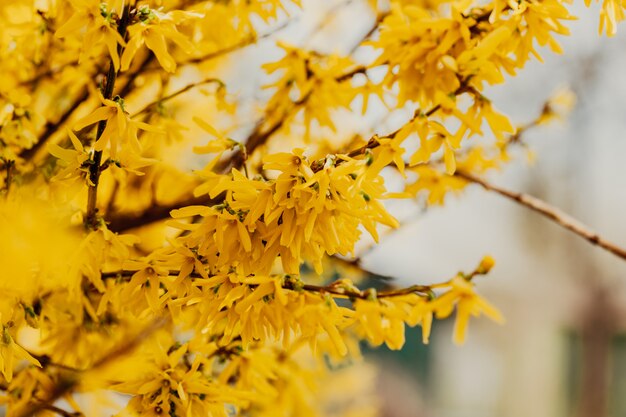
(140, 279)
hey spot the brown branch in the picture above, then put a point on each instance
(374, 141)
(235, 47)
(338, 288)
(9, 166)
(130, 345)
(177, 93)
(52, 127)
(260, 135)
(556, 215)
(379, 19)
(32, 82)
(123, 222)
(91, 218)
(46, 361)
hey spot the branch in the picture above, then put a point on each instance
(45, 361)
(341, 288)
(177, 93)
(94, 169)
(235, 47)
(556, 215)
(379, 19)
(374, 142)
(155, 213)
(52, 127)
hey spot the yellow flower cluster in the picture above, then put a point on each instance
(302, 214)
(226, 299)
(429, 55)
(317, 83)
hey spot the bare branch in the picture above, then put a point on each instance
(176, 94)
(559, 217)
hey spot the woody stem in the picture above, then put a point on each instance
(559, 217)
(91, 219)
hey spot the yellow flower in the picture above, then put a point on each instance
(154, 29)
(11, 351)
(120, 130)
(101, 29)
(73, 160)
(467, 302)
(175, 379)
(612, 12)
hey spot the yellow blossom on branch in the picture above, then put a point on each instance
(120, 130)
(201, 251)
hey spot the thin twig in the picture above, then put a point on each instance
(379, 19)
(176, 94)
(338, 288)
(130, 345)
(235, 47)
(559, 217)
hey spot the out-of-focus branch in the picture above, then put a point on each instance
(236, 46)
(68, 383)
(52, 127)
(556, 215)
(176, 94)
(122, 222)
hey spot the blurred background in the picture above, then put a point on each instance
(562, 351)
